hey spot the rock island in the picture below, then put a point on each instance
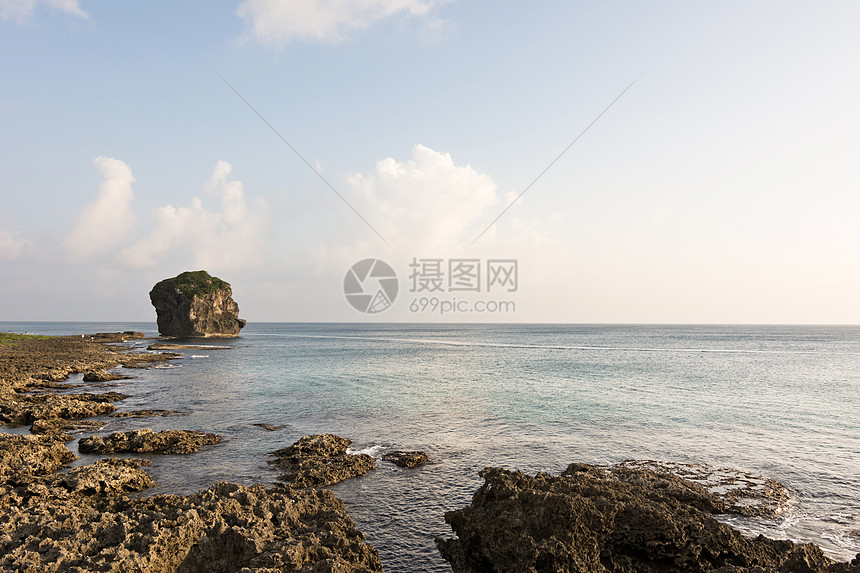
(195, 304)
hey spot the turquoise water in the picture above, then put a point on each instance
(781, 401)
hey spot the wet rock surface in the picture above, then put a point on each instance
(103, 376)
(407, 459)
(195, 304)
(269, 427)
(146, 413)
(60, 429)
(733, 491)
(147, 441)
(320, 460)
(599, 519)
(117, 336)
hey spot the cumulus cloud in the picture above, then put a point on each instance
(10, 246)
(278, 22)
(426, 203)
(229, 239)
(105, 222)
(22, 10)
(432, 206)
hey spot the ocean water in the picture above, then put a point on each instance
(780, 401)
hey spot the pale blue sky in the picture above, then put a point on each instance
(722, 188)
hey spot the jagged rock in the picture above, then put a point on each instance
(269, 427)
(407, 459)
(320, 460)
(112, 476)
(103, 376)
(597, 519)
(100, 397)
(23, 457)
(146, 413)
(147, 441)
(25, 409)
(83, 522)
(729, 490)
(195, 304)
(58, 428)
(117, 336)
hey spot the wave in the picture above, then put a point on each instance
(569, 347)
(372, 451)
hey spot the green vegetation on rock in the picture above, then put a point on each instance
(195, 304)
(12, 338)
(195, 283)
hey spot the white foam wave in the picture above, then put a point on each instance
(199, 356)
(373, 451)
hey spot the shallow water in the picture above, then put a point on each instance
(778, 401)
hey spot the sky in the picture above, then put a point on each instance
(551, 161)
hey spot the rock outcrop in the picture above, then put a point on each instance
(84, 520)
(146, 413)
(406, 459)
(60, 429)
(598, 519)
(269, 427)
(194, 304)
(320, 460)
(147, 441)
(23, 457)
(103, 376)
(728, 490)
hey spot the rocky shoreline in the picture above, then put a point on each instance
(636, 516)
(618, 519)
(86, 519)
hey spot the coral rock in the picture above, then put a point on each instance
(321, 460)
(407, 459)
(597, 519)
(103, 376)
(147, 441)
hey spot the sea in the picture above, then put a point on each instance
(779, 401)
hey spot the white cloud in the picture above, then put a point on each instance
(22, 10)
(426, 204)
(104, 223)
(230, 239)
(10, 247)
(278, 22)
(431, 207)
